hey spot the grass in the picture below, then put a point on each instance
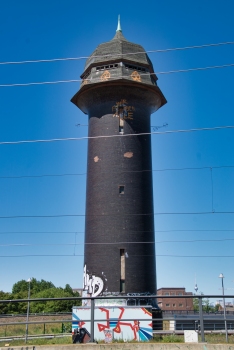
(39, 341)
(33, 329)
(55, 330)
(218, 338)
(173, 338)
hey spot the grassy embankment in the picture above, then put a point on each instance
(55, 331)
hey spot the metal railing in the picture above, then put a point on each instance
(183, 319)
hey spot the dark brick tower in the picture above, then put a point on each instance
(119, 92)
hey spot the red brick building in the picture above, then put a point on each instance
(171, 303)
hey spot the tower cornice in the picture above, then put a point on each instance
(89, 96)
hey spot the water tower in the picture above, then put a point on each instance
(119, 93)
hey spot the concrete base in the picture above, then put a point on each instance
(127, 346)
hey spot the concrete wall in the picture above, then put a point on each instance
(127, 346)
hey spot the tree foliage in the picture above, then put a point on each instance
(206, 305)
(35, 286)
(38, 290)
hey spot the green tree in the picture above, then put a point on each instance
(68, 288)
(21, 286)
(35, 286)
(38, 289)
(206, 305)
(4, 307)
(54, 306)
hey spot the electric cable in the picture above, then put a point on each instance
(112, 243)
(117, 135)
(122, 76)
(82, 232)
(39, 176)
(122, 171)
(122, 54)
(157, 255)
(121, 215)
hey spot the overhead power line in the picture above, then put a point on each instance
(124, 171)
(113, 243)
(117, 135)
(114, 215)
(42, 175)
(82, 232)
(194, 230)
(122, 76)
(122, 54)
(157, 255)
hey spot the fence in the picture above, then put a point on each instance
(163, 321)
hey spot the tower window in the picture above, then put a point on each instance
(122, 286)
(121, 125)
(131, 66)
(122, 270)
(121, 189)
(109, 66)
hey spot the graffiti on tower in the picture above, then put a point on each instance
(122, 110)
(92, 284)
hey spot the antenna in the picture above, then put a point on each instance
(195, 287)
(119, 25)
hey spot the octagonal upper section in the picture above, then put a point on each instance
(119, 59)
(118, 49)
(115, 63)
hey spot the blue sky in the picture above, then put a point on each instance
(188, 245)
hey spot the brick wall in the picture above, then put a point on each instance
(171, 302)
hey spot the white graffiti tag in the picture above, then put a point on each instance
(93, 284)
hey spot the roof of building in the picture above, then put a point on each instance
(172, 288)
(119, 48)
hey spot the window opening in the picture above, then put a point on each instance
(122, 286)
(132, 66)
(122, 270)
(121, 125)
(121, 189)
(109, 66)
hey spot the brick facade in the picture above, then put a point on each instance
(119, 192)
(171, 303)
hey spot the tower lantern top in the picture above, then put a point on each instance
(119, 61)
(116, 50)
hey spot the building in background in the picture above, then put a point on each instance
(171, 303)
(78, 290)
(119, 92)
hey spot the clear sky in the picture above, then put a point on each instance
(51, 248)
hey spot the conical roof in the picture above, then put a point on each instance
(119, 48)
(121, 64)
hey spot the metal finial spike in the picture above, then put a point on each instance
(119, 25)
